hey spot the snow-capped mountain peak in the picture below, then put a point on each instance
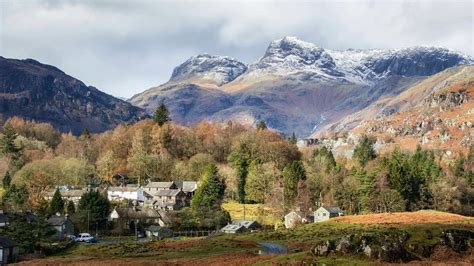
(213, 69)
(291, 56)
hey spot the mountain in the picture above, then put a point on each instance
(33, 90)
(296, 86)
(437, 113)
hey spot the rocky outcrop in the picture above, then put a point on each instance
(447, 100)
(395, 245)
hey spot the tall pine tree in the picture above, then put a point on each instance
(211, 190)
(292, 174)
(240, 161)
(7, 141)
(162, 115)
(57, 203)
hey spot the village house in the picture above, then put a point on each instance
(240, 226)
(188, 187)
(62, 225)
(8, 251)
(128, 218)
(131, 193)
(3, 219)
(153, 187)
(173, 199)
(297, 217)
(67, 194)
(324, 213)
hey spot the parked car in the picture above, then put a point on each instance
(86, 237)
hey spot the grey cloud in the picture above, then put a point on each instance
(125, 47)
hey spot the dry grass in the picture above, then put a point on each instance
(420, 217)
(259, 212)
(227, 259)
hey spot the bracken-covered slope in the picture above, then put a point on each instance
(295, 86)
(438, 114)
(44, 93)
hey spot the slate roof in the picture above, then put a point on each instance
(332, 209)
(187, 186)
(246, 223)
(159, 185)
(124, 189)
(56, 220)
(232, 227)
(67, 193)
(6, 242)
(167, 192)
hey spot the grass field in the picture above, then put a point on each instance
(419, 217)
(258, 212)
(242, 249)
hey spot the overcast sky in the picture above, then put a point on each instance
(125, 47)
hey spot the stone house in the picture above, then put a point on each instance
(296, 217)
(172, 199)
(128, 218)
(153, 187)
(67, 195)
(62, 225)
(8, 251)
(324, 213)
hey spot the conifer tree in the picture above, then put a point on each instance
(240, 161)
(71, 208)
(293, 139)
(7, 179)
(211, 191)
(7, 142)
(161, 115)
(292, 174)
(57, 203)
(261, 125)
(364, 151)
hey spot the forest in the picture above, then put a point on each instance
(245, 164)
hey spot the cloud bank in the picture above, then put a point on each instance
(125, 47)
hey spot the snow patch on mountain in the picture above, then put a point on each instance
(291, 56)
(215, 69)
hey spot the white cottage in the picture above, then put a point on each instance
(127, 193)
(324, 213)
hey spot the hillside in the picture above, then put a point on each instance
(329, 243)
(438, 113)
(33, 90)
(296, 86)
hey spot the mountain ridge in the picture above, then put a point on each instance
(45, 93)
(296, 85)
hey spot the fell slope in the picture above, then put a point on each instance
(438, 113)
(33, 90)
